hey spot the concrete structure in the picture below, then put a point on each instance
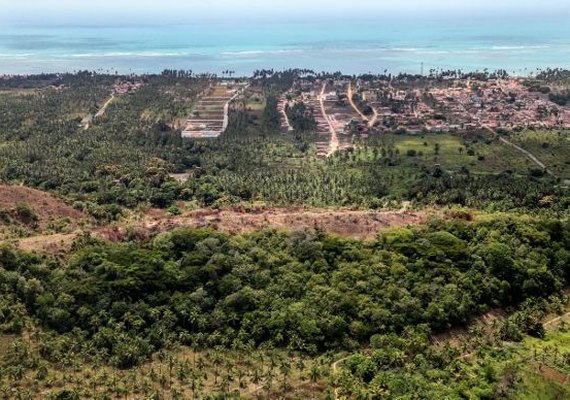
(210, 116)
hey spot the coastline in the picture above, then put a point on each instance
(392, 44)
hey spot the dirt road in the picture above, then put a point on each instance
(527, 153)
(103, 109)
(333, 144)
(362, 116)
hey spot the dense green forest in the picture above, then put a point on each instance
(307, 292)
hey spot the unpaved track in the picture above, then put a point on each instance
(282, 104)
(547, 324)
(555, 320)
(333, 145)
(353, 104)
(374, 117)
(527, 153)
(334, 366)
(103, 109)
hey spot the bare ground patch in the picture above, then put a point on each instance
(348, 223)
(45, 205)
(52, 244)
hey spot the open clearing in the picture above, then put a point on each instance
(354, 224)
(46, 206)
(51, 244)
(453, 152)
(346, 223)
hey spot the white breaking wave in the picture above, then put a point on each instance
(133, 54)
(260, 52)
(521, 47)
(15, 55)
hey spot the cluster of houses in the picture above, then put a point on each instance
(465, 104)
(124, 87)
(388, 105)
(328, 98)
(499, 103)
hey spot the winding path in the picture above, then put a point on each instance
(374, 110)
(555, 320)
(546, 324)
(527, 153)
(334, 366)
(374, 118)
(353, 104)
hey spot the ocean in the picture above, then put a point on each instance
(351, 46)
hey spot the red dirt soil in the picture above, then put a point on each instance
(348, 223)
(552, 375)
(45, 205)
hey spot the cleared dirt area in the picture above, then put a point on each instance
(552, 374)
(51, 244)
(45, 205)
(355, 224)
(346, 223)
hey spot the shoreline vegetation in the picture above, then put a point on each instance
(426, 256)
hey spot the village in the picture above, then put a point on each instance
(345, 107)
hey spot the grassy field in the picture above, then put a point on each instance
(453, 152)
(534, 386)
(255, 105)
(551, 147)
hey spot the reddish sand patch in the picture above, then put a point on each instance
(355, 224)
(552, 375)
(45, 205)
(347, 223)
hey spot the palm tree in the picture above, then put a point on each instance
(300, 364)
(314, 375)
(285, 369)
(216, 362)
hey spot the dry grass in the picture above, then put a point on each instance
(347, 223)
(51, 244)
(184, 374)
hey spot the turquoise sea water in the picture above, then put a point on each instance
(350, 46)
